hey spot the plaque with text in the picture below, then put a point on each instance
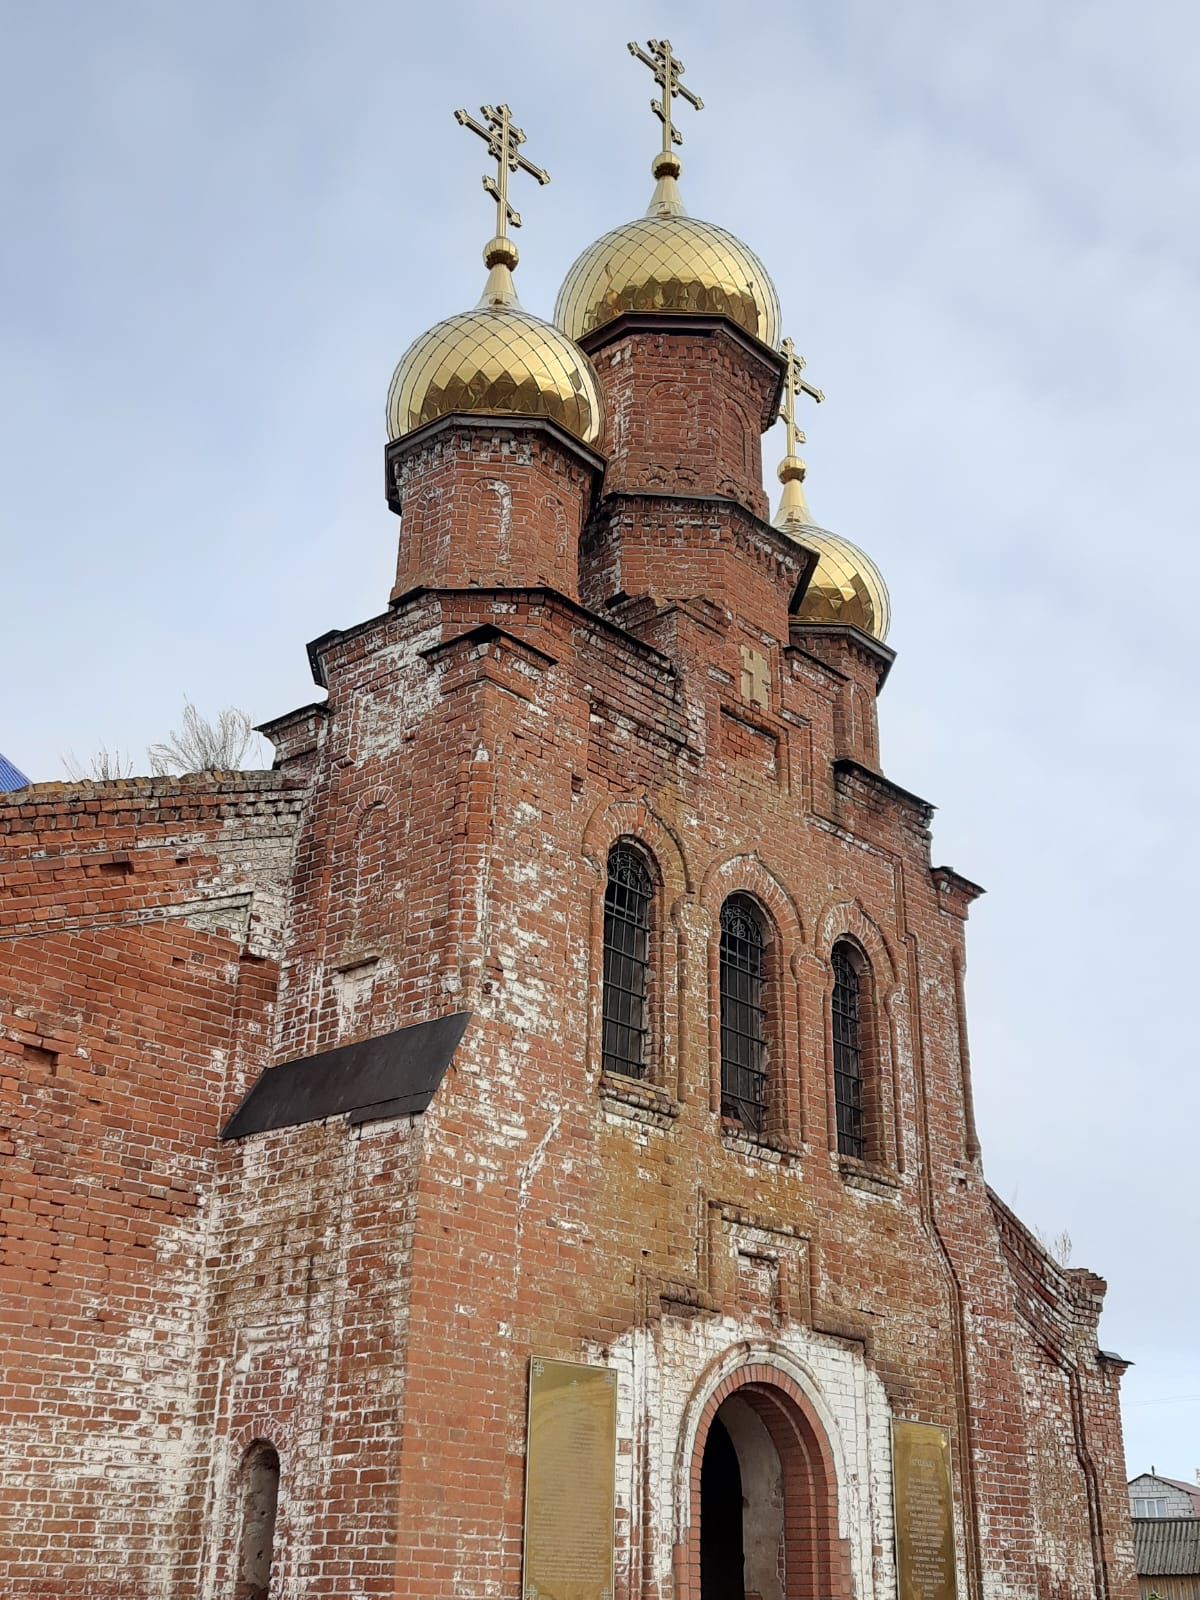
(570, 1481)
(924, 1512)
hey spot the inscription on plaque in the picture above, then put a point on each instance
(924, 1512)
(570, 1480)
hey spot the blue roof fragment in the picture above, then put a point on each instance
(10, 777)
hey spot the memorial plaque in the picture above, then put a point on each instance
(924, 1512)
(570, 1481)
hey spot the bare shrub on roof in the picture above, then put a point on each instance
(102, 767)
(203, 746)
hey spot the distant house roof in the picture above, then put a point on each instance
(11, 777)
(1188, 1488)
(1167, 1547)
(1192, 1490)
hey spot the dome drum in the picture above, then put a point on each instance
(400, 454)
(750, 352)
(490, 502)
(689, 398)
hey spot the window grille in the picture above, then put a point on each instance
(743, 1016)
(847, 1055)
(626, 962)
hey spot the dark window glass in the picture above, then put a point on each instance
(847, 1054)
(626, 962)
(743, 1015)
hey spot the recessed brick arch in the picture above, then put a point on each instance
(847, 919)
(884, 997)
(817, 1558)
(749, 875)
(633, 819)
(660, 849)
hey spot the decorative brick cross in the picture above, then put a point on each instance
(756, 678)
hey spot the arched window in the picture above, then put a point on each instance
(848, 1053)
(626, 961)
(260, 1498)
(743, 1014)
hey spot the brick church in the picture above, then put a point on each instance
(521, 1146)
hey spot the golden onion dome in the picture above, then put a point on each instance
(847, 586)
(669, 262)
(497, 360)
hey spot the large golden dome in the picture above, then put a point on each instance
(496, 360)
(847, 586)
(667, 261)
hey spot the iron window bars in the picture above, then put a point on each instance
(743, 1016)
(626, 962)
(847, 1055)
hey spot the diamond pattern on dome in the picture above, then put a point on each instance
(501, 362)
(847, 586)
(670, 264)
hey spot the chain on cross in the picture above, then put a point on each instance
(793, 386)
(667, 70)
(503, 139)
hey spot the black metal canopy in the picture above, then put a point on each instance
(394, 1075)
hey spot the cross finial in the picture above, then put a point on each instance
(667, 69)
(793, 386)
(503, 139)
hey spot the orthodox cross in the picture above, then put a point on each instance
(667, 70)
(795, 385)
(503, 138)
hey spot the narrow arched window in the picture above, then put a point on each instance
(847, 1053)
(743, 1014)
(260, 1499)
(626, 962)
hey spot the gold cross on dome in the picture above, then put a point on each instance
(667, 70)
(794, 385)
(503, 139)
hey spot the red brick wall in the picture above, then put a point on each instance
(304, 1341)
(139, 931)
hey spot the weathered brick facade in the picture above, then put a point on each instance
(570, 659)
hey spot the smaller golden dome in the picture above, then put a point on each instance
(497, 360)
(669, 262)
(847, 586)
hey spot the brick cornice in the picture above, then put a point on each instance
(748, 526)
(870, 650)
(398, 450)
(633, 323)
(866, 776)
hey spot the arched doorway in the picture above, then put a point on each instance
(763, 1496)
(722, 1552)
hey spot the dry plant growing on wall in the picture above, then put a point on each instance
(198, 745)
(203, 746)
(103, 766)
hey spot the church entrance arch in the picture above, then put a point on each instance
(763, 1496)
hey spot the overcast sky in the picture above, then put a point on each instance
(223, 224)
